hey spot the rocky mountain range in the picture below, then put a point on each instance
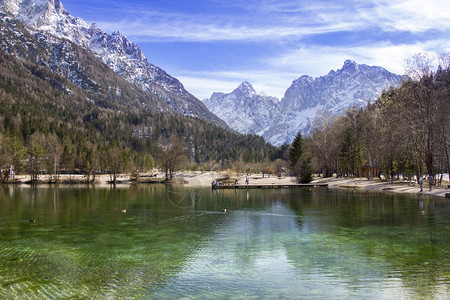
(51, 24)
(354, 85)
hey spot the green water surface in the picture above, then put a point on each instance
(176, 242)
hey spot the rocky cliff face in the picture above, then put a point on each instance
(353, 85)
(244, 110)
(115, 50)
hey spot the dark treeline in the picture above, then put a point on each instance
(47, 124)
(405, 132)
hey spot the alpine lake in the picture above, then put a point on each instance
(177, 242)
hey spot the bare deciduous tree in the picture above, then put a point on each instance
(172, 156)
(55, 151)
(324, 144)
(36, 154)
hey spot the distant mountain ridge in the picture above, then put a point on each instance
(354, 85)
(115, 50)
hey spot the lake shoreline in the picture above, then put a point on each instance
(204, 179)
(378, 185)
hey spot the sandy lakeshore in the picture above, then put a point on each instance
(378, 185)
(204, 179)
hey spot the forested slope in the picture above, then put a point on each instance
(36, 104)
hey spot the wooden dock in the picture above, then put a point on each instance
(267, 186)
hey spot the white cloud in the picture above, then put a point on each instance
(413, 15)
(274, 20)
(182, 31)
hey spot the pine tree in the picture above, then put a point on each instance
(305, 172)
(300, 161)
(296, 150)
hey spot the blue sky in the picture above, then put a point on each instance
(213, 46)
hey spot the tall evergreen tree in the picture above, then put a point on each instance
(5, 158)
(304, 169)
(300, 161)
(296, 150)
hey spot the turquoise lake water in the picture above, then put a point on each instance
(176, 242)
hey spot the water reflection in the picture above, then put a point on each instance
(175, 242)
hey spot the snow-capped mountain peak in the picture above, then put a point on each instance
(245, 89)
(349, 64)
(244, 109)
(42, 14)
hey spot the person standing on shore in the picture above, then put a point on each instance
(421, 183)
(430, 181)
